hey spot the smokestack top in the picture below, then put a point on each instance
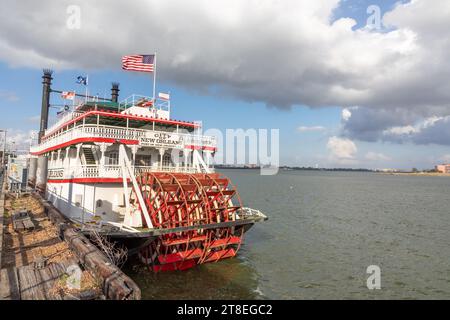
(47, 77)
(115, 92)
(48, 72)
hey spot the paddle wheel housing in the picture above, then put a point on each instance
(185, 202)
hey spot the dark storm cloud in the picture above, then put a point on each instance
(368, 124)
(280, 53)
(438, 133)
(399, 125)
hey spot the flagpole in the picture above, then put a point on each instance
(154, 80)
(86, 87)
(169, 101)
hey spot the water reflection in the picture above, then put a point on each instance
(227, 279)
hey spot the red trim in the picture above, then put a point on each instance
(192, 147)
(88, 139)
(119, 115)
(87, 180)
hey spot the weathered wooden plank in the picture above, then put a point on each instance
(25, 290)
(30, 283)
(117, 285)
(22, 221)
(9, 284)
(47, 282)
(50, 276)
(28, 224)
(18, 225)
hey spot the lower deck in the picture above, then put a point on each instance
(103, 204)
(88, 202)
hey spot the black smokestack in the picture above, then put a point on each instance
(115, 92)
(46, 88)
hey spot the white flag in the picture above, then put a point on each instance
(164, 96)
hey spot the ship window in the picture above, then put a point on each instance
(143, 160)
(166, 160)
(78, 200)
(113, 158)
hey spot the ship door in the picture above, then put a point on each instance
(167, 162)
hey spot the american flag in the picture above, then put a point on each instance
(144, 63)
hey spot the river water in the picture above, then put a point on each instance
(324, 230)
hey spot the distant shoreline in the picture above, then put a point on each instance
(295, 169)
(418, 174)
(396, 173)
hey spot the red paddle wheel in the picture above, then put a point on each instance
(180, 201)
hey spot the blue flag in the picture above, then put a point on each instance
(82, 80)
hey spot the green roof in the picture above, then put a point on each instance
(106, 105)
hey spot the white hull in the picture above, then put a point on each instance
(88, 202)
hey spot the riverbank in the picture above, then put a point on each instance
(417, 174)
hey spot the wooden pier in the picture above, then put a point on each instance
(44, 257)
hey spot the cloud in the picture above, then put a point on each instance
(346, 114)
(280, 53)
(444, 159)
(373, 156)
(9, 96)
(34, 119)
(311, 129)
(19, 140)
(341, 150)
(399, 126)
(419, 109)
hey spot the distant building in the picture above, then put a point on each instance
(443, 168)
(387, 170)
(17, 169)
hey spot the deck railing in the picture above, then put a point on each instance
(63, 119)
(109, 171)
(151, 138)
(133, 100)
(137, 100)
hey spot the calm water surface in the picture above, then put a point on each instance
(325, 228)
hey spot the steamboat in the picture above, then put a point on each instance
(126, 169)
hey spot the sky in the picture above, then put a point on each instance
(353, 83)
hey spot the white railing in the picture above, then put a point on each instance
(113, 132)
(136, 100)
(147, 138)
(246, 213)
(63, 119)
(110, 171)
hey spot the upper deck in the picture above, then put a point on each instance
(136, 120)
